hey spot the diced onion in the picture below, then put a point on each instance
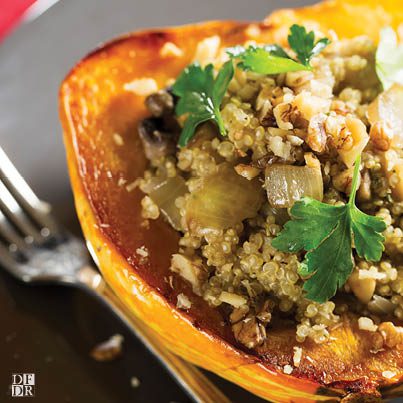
(388, 107)
(380, 305)
(285, 184)
(224, 200)
(165, 194)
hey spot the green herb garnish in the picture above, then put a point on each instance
(200, 96)
(327, 234)
(273, 59)
(303, 44)
(264, 61)
(389, 59)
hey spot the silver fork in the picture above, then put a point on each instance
(36, 250)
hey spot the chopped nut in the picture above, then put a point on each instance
(249, 328)
(388, 374)
(171, 50)
(232, 299)
(282, 113)
(288, 369)
(371, 273)
(280, 148)
(365, 323)
(310, 105)
(142, 252)
(264, 313)
(142, 86)
(109, 349)
(192, 271)
(294, 140)
(183, 302)
(265, 107)
(247, 171)
(339, 107)
(297, 356)
(239, 313)
(298, 80)
(207, 49)
(311, 161)
(392, 335)
(353, 138)
(276, 96)
(381, 135)
(249, 332)
(377, 342)
(317, 136)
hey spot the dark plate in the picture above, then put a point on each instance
(49, 331)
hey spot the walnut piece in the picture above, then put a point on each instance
(249, 327)
(109, 349)
(190, 270)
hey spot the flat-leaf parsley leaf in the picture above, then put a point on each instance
(327, 233)
(303, 43)
(264, 60)
(273, 59)
(200, 96)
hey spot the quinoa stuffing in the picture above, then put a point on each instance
(282, 168)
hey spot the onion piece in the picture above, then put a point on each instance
(380, 305)
(224, 200)
(285, 184)
(165, 194)
(388, 107)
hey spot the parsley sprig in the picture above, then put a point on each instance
(273, 59)
(327, 233)
(265, 60)
(389, 59)
(200, 96)
(304, 45)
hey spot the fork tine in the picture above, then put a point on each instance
(10, 207)
(15, 183)
(7, 261)
(9, 234)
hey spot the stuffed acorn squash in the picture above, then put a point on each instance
(242, 187)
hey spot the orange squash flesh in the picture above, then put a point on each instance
(93, 107)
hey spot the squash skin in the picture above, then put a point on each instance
(94, 106)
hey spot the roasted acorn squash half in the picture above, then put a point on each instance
(94, 106)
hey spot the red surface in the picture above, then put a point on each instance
(11, 12)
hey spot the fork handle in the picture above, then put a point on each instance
(195, 383)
